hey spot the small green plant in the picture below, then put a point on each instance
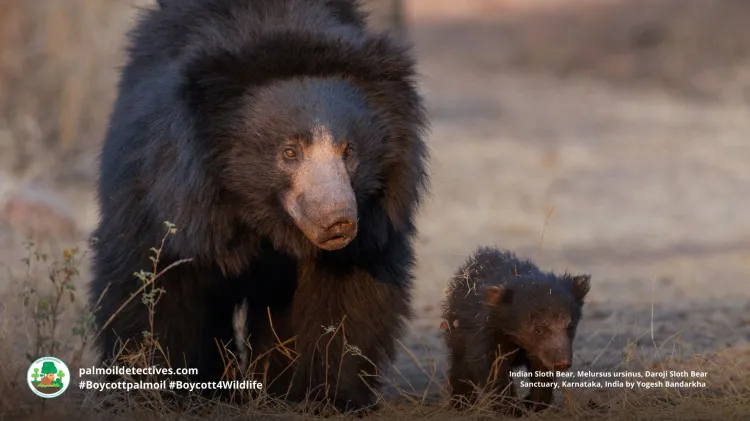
(84, 327)
(150, 295)
(47, 309)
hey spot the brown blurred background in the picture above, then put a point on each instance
(608, 136)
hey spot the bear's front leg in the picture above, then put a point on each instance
(190, 320)
(478, 370)
(500, 382)
(539, 398)
(346, 322)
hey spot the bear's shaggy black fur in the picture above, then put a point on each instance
(499, 305)
(286, 145)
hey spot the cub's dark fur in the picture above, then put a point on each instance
(501, 305)
(285, 144)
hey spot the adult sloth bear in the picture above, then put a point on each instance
(285, 144)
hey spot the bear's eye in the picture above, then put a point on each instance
(539, 330)
(349, 151)
(290, 153)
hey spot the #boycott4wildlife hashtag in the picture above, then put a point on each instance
(171, 385)
(158, 385)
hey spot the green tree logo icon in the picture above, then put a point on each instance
(48, 377)
(59, 380)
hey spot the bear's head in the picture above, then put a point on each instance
(312, 159)
(540, 314)
(315, 142)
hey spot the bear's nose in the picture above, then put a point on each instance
(562, 365)
(337, 230)
(342, 226)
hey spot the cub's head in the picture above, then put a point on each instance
(541, 314)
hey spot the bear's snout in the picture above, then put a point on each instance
(330, 217)
(338, 230)
(325, 206)
(556, 352)
(330, 222)
(562, 364)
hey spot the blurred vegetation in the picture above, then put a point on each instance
(58, 71)
(58, 67)
(700, 48)
(57, 74)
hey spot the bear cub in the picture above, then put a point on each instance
(501, 305)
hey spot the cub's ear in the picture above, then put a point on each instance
(496, 295)
(581, 285)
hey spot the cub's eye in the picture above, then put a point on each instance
(539, 330)
(348, 152)
(290, 153)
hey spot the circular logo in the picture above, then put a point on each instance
(48, 377)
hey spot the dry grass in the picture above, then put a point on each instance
(45, 309)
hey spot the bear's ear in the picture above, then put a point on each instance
(581, 286)
(496, 295)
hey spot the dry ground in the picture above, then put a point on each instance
(610, 140)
